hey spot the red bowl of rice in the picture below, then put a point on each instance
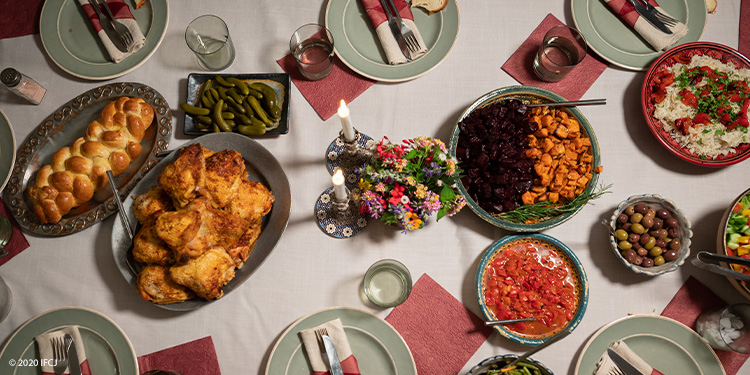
(675, 115)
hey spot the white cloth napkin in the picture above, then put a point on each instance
(606, 364)
(122, 14)
(44, 342)
(379, 21)
(658, 39)
(338, 336)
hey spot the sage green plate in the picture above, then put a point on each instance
(379, 349)
(617, 43)
(7, 149)
(108, 350)
(70, 42)
(357, 45)
(666, 344)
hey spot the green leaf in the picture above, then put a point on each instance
(441, 213)
(447, 194)
(411, 155)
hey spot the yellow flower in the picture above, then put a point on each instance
(364, 185)
(421, 191)
(411, 181)
(412, 221)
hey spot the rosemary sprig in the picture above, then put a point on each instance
(543, 210)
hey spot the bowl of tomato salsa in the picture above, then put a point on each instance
(532, 276)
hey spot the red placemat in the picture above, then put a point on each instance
(744, 44)
(325, 95)
(691, 300)
(18, 241)
(441, 332)
(19, 18)
(191, 358)
(573, 86)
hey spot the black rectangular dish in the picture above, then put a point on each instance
(280, 82)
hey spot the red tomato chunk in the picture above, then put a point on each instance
(530, 280)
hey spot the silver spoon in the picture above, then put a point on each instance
(545, 344)
(6, 233)
(507, 321)
(561, 104)
(606, 224)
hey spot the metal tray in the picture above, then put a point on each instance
(61, 129)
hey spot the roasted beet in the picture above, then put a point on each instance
(492, 150)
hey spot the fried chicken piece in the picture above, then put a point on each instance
(207, 274)
(196, 228)
(149, 248)
(184, 178)
(156, 285)
(241, 249)
(151, 204)
(224, 172)
(254, 201)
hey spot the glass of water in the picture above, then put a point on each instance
(312, 48)
(387, 283)
(562, 49)
(6, 299)
(727, 328)
(208, 37)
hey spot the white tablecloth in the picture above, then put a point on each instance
(309, 270)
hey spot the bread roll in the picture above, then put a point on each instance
(432, 6)
(78, 171)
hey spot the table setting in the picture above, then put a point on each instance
(368, 187)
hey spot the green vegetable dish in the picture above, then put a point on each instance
(520, 368)
(738, 232)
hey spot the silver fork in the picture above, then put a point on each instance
(665, 19)
(60, 355)
(411, 40)
(615, 371)
(321, 344)
(122, 31)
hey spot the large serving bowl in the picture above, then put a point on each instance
(501, 360)
(525, 93)
(721, 241)
(564, 254)
(675, 55)
(683, 226)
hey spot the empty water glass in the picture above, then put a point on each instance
(208, 37)
(6, 299)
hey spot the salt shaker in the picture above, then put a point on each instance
(22, 85)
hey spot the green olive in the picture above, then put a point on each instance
(655, 251)
(625, 245)
(650, 244)
(659, 260)
(621, 235)
(637, 228)
(636, 218)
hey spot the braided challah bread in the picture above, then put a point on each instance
(78, 171)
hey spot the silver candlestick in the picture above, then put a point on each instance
(349, 155)
(340, 218)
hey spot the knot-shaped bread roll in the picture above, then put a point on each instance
(77, 172)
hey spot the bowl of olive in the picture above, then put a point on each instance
(649, 234)
(493, 366)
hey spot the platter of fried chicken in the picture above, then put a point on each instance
(204, 220)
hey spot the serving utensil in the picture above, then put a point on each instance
(507, 321)
(122, 31)
(545, 344)
(120, 209)
(702, 258)
(561, 104)
(59, 355)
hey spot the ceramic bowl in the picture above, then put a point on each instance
(564, 252)
(681, 53)
(501, 360)
(721, 242)
(657, 202)
(524, 93)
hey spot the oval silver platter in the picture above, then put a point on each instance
(261, 165)
(61, 129)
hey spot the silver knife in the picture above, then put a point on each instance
(107, 27)
(650, 17)
(73, 364)
(333, 357)
(623, 363)
(396, 31)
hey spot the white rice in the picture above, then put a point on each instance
(711, 140)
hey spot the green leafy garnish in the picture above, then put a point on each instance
(543, 210)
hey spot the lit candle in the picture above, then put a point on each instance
(346, 123)
(339, 191)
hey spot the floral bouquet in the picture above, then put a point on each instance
(406, 183)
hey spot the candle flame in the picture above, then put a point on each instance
(338, 177)
(343, 109)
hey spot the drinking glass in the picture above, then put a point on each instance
(208, 37)
(727, 328)
(312, 48)
(6, 299)
(562, 49)
(387, 283)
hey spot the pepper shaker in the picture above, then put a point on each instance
(23, 86)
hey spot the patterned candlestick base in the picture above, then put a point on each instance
(340, 218)
(349, 155)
